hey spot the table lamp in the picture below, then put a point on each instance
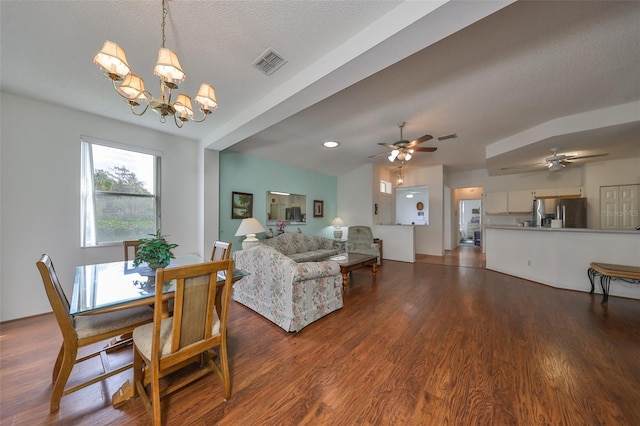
(249, 227)
(337, 223)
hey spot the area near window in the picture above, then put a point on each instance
(119, 192)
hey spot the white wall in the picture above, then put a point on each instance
(40, 195)
(355, 197)
(429, 239)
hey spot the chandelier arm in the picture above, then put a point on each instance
(178, 122)
(116, 86)
(205, 113)
(133, 105)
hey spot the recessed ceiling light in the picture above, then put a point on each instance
(330, 144)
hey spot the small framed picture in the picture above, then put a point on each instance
(318, 208)
(241, 205)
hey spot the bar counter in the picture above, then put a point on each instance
(560, 257)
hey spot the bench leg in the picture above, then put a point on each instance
(605, 283)
(591, 273)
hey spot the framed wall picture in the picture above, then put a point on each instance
(318, 208)
(241, 205)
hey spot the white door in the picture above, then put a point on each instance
(609, 207)
(629, 206)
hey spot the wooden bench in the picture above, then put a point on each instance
(607, 271)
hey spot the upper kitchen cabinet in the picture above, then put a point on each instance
(495, 202)
(508, 202)
(569, 192)
(520, 202)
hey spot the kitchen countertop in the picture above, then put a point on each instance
(544, 229)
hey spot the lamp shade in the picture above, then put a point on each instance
(249, 226)
(112, 60)
(337, 222)
(132, 87)
(207, 97)
(168, 66)
(183, 106)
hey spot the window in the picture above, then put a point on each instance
(119, 193)
(385, 187)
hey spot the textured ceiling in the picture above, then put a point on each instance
(488, 71)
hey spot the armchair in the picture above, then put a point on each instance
(360, 240)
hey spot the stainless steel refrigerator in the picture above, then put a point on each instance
(572, 212)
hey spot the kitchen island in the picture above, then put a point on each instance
(560, 257)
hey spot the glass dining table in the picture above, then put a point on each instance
(112, 286)
(106, 287)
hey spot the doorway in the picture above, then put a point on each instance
(470, 222)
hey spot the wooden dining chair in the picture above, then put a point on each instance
(169, 344)
(79, 331)
(221, 250)
(128, 245)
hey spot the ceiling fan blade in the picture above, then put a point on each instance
(380, 153)
(524, 166)
(580, 157)
(419, 141)
(388, 145)
(424, 149)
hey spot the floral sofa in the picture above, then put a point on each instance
(301, 247)
(290, 294)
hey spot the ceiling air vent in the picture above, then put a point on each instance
(269, 61)
(449, 136)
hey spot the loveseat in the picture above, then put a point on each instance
(290, 294)
(301, 247)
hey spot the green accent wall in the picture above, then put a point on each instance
(250, 174)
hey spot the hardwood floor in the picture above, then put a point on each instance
(425, 344)
(463, 255)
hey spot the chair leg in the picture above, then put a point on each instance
(155, 397)
(224, 366)
(138, 375)
(68, 360)
(56, 366)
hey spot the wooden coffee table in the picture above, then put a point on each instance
(350, 261)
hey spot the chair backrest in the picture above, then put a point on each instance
(57, 298)
(127, 248)
(360, 237)
(196, 323)
(221, 250)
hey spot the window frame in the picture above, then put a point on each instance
(87, 141)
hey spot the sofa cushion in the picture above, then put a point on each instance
(301, 247)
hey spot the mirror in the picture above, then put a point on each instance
(291, 208)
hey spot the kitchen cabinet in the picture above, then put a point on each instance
(508, 202)
(495, 202)
(620, 207)
(573, 191)
(519, 202)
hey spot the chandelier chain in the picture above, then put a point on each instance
(165, 10)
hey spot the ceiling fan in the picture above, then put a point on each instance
(403, 149)
(556, 162)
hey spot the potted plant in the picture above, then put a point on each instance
(155, 251)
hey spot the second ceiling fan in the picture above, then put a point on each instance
(403, 149)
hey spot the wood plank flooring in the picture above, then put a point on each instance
(425, 344)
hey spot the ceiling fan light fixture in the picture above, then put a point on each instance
(555, 166)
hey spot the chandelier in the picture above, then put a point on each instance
(399, 177)
(113, 63)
